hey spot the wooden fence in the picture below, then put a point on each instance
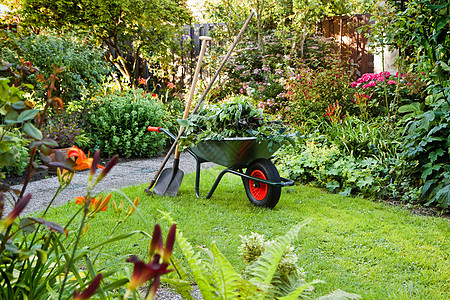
(352, 44)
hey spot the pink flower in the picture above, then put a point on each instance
(391, 82)
(370, 84)
(354, 84)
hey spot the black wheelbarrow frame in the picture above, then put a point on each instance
(262, 181)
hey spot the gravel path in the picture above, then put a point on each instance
(124, 174)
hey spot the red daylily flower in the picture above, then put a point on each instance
(143, 272)
(90, 290)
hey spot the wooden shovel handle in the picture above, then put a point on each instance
(205, 39)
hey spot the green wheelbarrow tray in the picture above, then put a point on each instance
(233, 152)
(261, 179)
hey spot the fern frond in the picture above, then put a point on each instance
(340, 295)
(199, 269)
(262, 271)
(300, 290)
(230, 283)
(182, 287)
(178, 268)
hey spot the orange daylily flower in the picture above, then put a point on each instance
(95, 205)
(82, 162)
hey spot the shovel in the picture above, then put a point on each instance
(169, 181)
(222, 64)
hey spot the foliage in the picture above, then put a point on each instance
(15, 111)
(41, 259)
(354, 158)
(85, 68)
(261, 278)
(254, 245)
(117, 124)
(421, 34)
(64, 129)
(140, 28)
(16, 152)
(311, 92)
(234, 119)
(427, 145)
(403, 91)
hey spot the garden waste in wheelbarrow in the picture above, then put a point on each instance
(262, 182)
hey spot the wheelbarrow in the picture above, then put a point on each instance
(262, 182)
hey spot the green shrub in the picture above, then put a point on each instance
(64, 129)
(18, 150)
(321, 161)
(362, 139)
(117, 124)
(85, 67)
(427, 148)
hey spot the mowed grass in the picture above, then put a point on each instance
(357, 245)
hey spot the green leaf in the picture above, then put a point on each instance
(413, 107)
(32, 131)
(333, 185)
(11, 117)
(7, 159)
(19, 105)
(443, 196)
(27, 225)
(27, 115)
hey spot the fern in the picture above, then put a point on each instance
(231, 284)
(198, 268)
(216, 278)
(262, 271)
(182, 287)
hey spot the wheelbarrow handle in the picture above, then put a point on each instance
(155, 129)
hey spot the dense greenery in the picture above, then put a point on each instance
(85, 67)
(384, 134)
(129, 29)
(117, 124)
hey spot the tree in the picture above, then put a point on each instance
(130, 29)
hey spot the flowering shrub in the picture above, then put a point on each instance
(373, 97)
(311, 92)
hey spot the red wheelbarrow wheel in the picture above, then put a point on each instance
(261, 194)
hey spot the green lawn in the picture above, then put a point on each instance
(353, 244)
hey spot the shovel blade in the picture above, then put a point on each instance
(169, 182)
